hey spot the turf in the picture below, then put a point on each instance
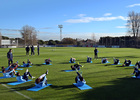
(109, 82)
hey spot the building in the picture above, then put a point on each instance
(8, 43)
(124, 41)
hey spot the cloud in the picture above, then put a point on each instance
(46, 28)
(89, 35)
(107, 14)
(120, 26)
(82, 15)
(134, 5)
(46, 33)
(81, 35)
(110, 34)
(9, 29)
(84, 19)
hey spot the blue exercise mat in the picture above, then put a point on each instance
(23, 66)
(69, 70)
(106, 62)
(129, 65)
(17, 82)
(35, 88)
(19, 69)
(89, 62)
(6, 77)
(71, 62)
(83, 87)
(46, 64)
(1, 71)
(136, 77)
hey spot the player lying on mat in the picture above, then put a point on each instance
(42, 80)
(79, 79)
(104, 60)
(76, 66)
(89, 59)
(24, 77)
(138, 64)
(72, 60)
(48, 61)
(8, 73)
(116, 61)
(10, 67)
(27, 64)
(136, 72)
(127, 63)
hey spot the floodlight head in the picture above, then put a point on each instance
(60, 26)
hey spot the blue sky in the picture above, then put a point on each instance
(80, 18)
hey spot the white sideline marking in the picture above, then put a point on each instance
(17, 92)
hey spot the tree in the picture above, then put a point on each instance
(29, 35)
(0, 39)
(57, 42)
(68, 41)
(133, 24)
(41, 42)
(5, 37)
(93, 37)
(51, 42)
(46, 42)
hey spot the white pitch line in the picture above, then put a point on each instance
(17, 92)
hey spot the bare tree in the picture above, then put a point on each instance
(133, 24)
(29, 35)
(0, 39)
(93, 37)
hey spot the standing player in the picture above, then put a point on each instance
(95, 53)
(38, 49)
(27, 50)
(10, 57)
(32, 50)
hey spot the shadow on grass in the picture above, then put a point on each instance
(24, 87)
(7, 82)
(38, 64)
(69, 70)
(62, 87)
(21, 56)
(83, 62)
(120, 89)
(65, 63)
(124, 57)
(97, 63)
(108, 65)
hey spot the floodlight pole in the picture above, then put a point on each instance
(60, 26)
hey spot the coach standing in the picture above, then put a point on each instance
(38, 49)
(27, 50)
(95, 53)
(32, 50)
(10, 57)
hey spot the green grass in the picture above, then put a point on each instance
(109, 82)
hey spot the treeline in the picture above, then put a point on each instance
(69, 41)
(64, 41)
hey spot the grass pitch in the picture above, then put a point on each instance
(109, 82)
